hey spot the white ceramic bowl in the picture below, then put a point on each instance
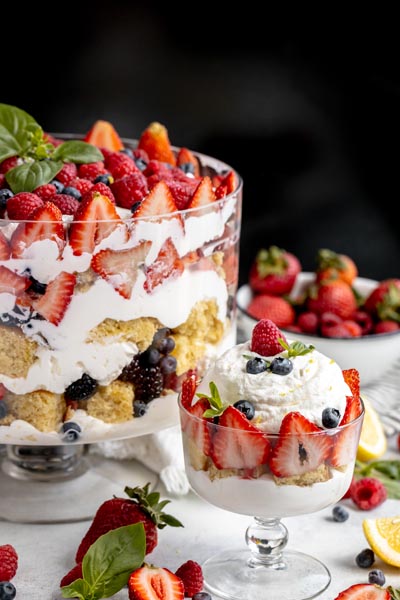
(371, 355)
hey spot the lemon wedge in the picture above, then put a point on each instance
(383, 536)
(373, 441)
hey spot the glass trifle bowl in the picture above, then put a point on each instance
(270, 434)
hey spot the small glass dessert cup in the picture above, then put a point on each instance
(265, 568)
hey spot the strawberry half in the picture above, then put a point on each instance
(158, 203)
(364, 591)
(45, 223)
(188, 390)
(53, 304)
(168, 264)
(197, 430)
(237, 444)
(155, 141)
(11, 283)
(103, 135)
(226, 186)
(155, 583)
(5, 249)
(120, 267)
(203, 195)
(94, 220)
(352, 378)
(297, 452)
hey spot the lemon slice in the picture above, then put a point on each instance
(373, 441)
(383, 536)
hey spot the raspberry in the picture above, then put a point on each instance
(192, 576)
(10, 163)
(82, 185)
(265, 338)
(140, 153)
(106, 152)
(364, 320)
(368, 492)
(130, 189)
(386, 326)
(100, 188)
(308, 322)
(91, 170)
(120, 164)
(182, 192)
(67, 204)
(8, 562)
(22, 205)
(45, 192)
(67, 173)
(72, 575)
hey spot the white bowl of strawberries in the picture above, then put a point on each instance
(353, 319)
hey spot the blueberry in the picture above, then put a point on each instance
(105, 178)
(330, 418)
(71, 430)
(168, 345)
(5, 195)
(187, 168)
(246, 408)
(159, 336)
(281, 366)
(377, 576)
(256, 365)
(150, 357)
(140, 163)
(58, 185)
(127, 151)
(202, 596)
(36, 286)
(3, 410)
(340, 514)
(81, 389)
(7, 590)
(365, 559)
(135, 206)
(168, 364)
(139, 408)
(71, 191)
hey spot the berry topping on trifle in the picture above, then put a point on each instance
(118, 270)
(271, 416)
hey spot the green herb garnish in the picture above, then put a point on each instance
(217, 406)
(295, 348)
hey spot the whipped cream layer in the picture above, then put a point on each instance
(316, 382)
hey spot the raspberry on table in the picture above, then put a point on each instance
(368, 493)
(192, 576)
(8, 562)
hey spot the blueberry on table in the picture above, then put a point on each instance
(281, 366)
(377, 577)
(246, 408)
(330, 417)
(71, 430)
(7, 590)
(256, 365)
(340, 514)
(365, 559)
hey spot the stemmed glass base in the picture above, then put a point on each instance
(264, 570)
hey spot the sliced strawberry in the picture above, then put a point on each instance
(364, 591)
(5, 249)
(227, 185)
(186, 158)
(45, 223)
(237, 443)
(297, 452)
(155, 141)
(120, 267)
(158, 203)
(94, 220)
(197, 429)
(352, 378)
(168, 264)
(188, 390)
(203, 195)
(152, 583)
(352, 411)
(53, 304)
(11, 283)
(103, 135)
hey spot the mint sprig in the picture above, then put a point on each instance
(216, 404)
(108, 563)
(21, 135)
(394, 594)
(295, 348)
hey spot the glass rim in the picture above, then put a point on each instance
(277, 435)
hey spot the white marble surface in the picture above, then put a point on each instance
(46, 551)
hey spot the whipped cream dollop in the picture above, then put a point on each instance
(316, 382)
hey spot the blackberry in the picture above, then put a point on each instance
(81, 389)
(148, 383)
(131, 371)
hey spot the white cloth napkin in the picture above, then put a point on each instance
(161, 452)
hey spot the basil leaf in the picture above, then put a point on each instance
(16, 127)
(78, 152)
(77, 589)
(109, 562)
(30, 175)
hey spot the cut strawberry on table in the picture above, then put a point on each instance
(168, 264)
(103, 135)
(155, 583)
(5, 249)
(120, 267)
(53, 304)
(94, 220)
(155, 141)
(297, 452)
(12, 283)
(237, 444)
(364, 591)
(45, 223)
(203, 195)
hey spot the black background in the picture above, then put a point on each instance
(306, 109)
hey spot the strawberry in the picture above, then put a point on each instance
(297, 452)
(203, 195)
(346, 440)
(352, 378)
(331, 265)
(334, 296)
(130, 189)
(226, 186)
(154, 139)
(72, 575)
(364, 591)
(308, 322)
(22, 205)
(54, 302)
(274, 272)
(120, 267)
(120, 165)
(141, 506)
(8, 562)
(265, 338)
(345, 329)
(158, 203)
(68, 172)
(94, 220)
(386, 327)
(11, 283)
(275, 308)
(103, 135)
(197, 430)
(45, 192)
(66, 203)
(5, 249)
(168, 264)
(188, 162)
(188, 390)
(237, 444)
(384, 301)
(155, 583)
(100, 188)
(191, 574)
(45, 223)
(91, 170)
